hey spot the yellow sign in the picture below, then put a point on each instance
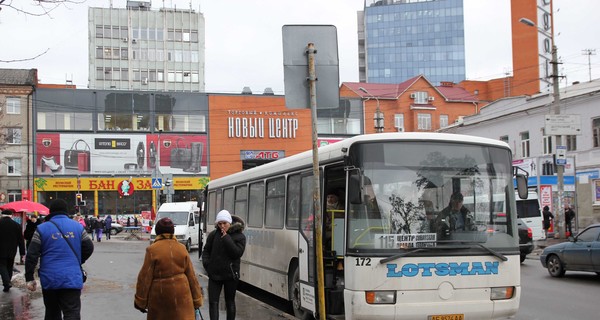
(91, 184)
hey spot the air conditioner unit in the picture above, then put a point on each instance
(431, 98)
(134, 40)
(125, 39)
(412, 95)
(145, 81)
(400, 129)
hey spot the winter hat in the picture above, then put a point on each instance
(58, 205)
(7, 212)
(223, 215)
(164, 225)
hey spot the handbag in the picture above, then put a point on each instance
(78, 157)
(83, 273)
(181, 157)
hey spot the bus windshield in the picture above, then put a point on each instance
(429, 194)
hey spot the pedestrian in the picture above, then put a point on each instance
(135, 222)
(92, 227)
(129, 221)
(11, 238)
(167, 287)
(221, 260)
(569, 216)
(30, 227)
(60, 245)
(107, 226)
(99, 226)
(547, 217)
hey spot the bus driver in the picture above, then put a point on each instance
(455, 217)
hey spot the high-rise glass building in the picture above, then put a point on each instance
(401, 39)
(138, 48)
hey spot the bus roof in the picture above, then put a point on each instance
(335, 151)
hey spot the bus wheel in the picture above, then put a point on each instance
(295, 296)
(188, 245)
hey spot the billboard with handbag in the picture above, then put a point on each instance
(78, 156)
(181, 156)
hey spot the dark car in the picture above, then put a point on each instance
(525, 239)
(581, 253)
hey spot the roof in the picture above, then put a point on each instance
(19, 77)
(394, 91)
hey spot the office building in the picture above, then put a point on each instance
(400, 39)
(138, 48)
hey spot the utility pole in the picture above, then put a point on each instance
(560, 169)
(589, 53)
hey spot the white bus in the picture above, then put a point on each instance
(391, 252)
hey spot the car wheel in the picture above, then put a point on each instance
(188, 245)
(555, 267)
(523, 257)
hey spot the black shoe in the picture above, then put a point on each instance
(6, 288)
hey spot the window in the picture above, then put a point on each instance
(13, 135)
(228, 199)
(424, 121)
(596, 132)
(14, 167)
(14, 195)
(275, 203)
(256, 204)
(241, 202)
(524, 144)
(399, 121)
(13, 105)
(420, 97)
(443, 120)
(547, 141)
(293, 202)
(571, 142)
(504, 139)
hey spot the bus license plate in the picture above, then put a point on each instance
(447, 317)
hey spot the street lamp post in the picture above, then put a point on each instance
(560, 184)
(378, 117)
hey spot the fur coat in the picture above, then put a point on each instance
(167, 285)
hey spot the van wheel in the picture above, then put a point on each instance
(188, 245)
(294, 288)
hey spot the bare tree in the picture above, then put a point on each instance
(36, 7)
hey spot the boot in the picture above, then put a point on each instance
(152, 155)
(196, 157)
(230, 311)
(140, 153)
(213, 310)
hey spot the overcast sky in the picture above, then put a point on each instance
(244, 46)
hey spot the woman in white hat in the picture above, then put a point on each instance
(221, 259)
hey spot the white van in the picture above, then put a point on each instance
(186, 217)
(528, 210)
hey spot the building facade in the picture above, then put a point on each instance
(16, 98)
(521, 122)
(400, 39)
(137, 48)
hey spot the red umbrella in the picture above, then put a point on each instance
(26, 206)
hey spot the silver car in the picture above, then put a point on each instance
(581, 253)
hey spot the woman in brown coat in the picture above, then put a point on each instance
(167, 287)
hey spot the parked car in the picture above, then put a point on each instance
(115, 228)
(581, 253)
(525, 239)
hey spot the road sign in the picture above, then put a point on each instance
(562, 124)
(561, 155)
(157, 183)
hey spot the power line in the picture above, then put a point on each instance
(589, 53)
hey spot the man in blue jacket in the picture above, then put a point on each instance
(60, 272)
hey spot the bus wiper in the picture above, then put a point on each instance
(479, 244)
(400, 255)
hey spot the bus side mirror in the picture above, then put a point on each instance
(354, 189)
(522, 186)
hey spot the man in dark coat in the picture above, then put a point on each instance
(221, 258)
(11, 237)
(30, 228)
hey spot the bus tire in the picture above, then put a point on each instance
(295, 297)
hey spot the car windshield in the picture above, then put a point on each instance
(178, 217)
(425, 195)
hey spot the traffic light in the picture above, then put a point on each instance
(78, 199)
(168, 182)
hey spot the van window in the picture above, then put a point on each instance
(528, 209)
(179, 218)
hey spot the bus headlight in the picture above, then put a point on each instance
(502, 293)
(380, 297)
